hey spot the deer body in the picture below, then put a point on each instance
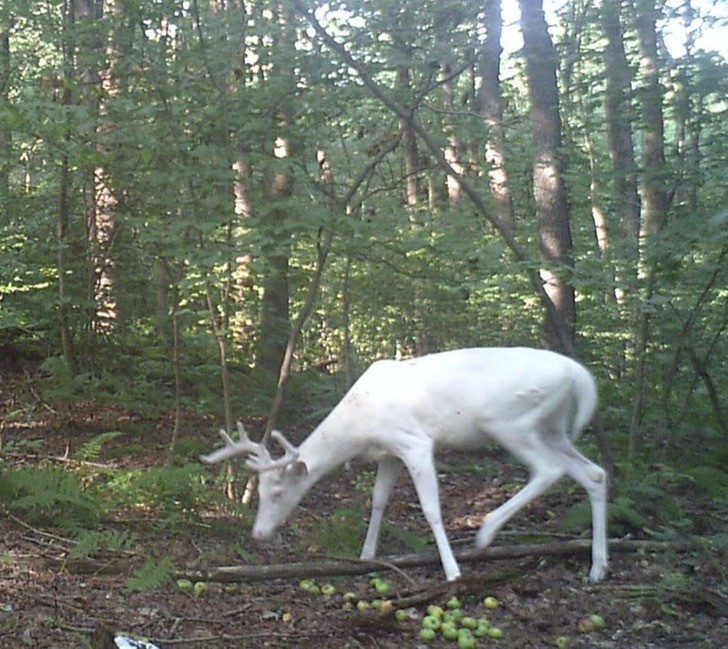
(532, 402)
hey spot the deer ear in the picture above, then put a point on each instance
(296, 469)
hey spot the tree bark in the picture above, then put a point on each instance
(491, 108)
(548, 181)
(654, 180)
(654, 193)
(409, 142)
(275, 308)
(618, 112)
(6, 139)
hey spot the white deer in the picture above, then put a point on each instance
(532, 402)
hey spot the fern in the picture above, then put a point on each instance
(174, 492)
(91, 450)
(48, 495)
(624, 511)
(341, 532)
(152, 574)
(712, 481)
(93, 541)
(623, 516)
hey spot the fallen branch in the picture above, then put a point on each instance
(334, 567)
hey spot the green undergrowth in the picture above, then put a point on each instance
(83, 495)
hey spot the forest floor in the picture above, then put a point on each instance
(48, 598)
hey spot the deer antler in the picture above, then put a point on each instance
(259, 458)
(232, 448)
(266, 463)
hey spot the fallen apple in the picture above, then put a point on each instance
(184, 585)
(427, 634)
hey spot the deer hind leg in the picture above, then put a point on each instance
(594, 480)
(542, 477)
(550, 458)
(389, 470)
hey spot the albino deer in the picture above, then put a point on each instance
(532, 402)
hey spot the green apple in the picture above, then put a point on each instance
(466, 639)
(427, 634)
(469, 622)
(184, 585)
(431, 622)
(401, 615)
(200, 588)
(495, 632)
(449, 631)
(382, 587)
(310, 586)
(491, 602)
(598, 621)
(453, 603)
(481, 630)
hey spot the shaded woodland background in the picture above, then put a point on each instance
(213, 210)
(221, 209)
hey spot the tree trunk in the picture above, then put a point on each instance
(654, 179)
(491, 108)
(99, 202)
(65, 193)
(275, 316)
(6, 139)
(654, 193)
(453, 149)
(549, 190)
(409, 142)
(618, 110)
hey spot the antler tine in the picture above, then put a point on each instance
(290, 450)
(266, 463)
(233, 448)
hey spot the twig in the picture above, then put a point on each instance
(388, 565)
(37, 396)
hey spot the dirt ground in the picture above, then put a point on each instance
(47, 599)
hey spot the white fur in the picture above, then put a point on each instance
(532, 402)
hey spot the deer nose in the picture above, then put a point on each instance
(259, 534)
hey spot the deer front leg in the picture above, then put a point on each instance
(387, 474)
(421, 467)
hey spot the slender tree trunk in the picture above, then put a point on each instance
(654, 192)
(275, 316)
(491, 108)
(618, 110)
(176, 369)
(6, 139)
(548, 181)
(409, 142)
(687, 126)
(99, 202)
(654, 174)
(453, 149)
(65, 193)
